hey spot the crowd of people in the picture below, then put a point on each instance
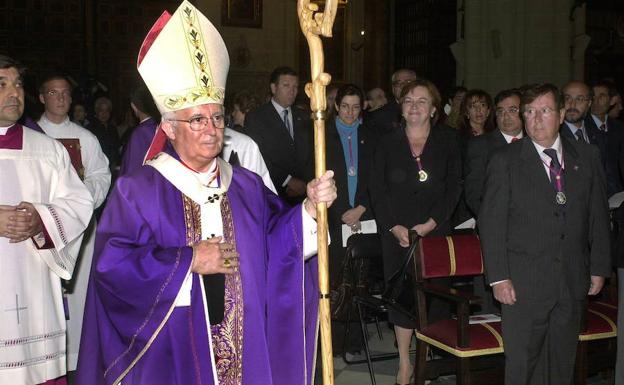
(206, 244)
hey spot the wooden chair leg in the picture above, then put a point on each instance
(463, 371)
(420, 364)
(580, 367)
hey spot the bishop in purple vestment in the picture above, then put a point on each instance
(201, 274)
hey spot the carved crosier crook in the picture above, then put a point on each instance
(313, 25)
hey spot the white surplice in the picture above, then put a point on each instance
(248, 154)
(32, 320)
(97, 178)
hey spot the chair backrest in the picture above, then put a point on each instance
(364, 246)
(456, 255)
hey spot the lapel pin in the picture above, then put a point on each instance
(575, 168)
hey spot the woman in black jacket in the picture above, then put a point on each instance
(415, 185)
(349, 153)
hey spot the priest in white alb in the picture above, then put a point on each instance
(92, 166)
(44, 210)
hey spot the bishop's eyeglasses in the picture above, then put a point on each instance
(199, 123)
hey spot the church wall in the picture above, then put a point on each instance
(508, 43)
(255, 52)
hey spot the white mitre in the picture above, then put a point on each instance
(183, 60)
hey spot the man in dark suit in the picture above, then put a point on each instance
(604, 97)
(284, 135)
(577, 97)
(544, 230)
(581, 125)
(388, 118)
(480, 148)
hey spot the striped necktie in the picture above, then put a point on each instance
(287, 123)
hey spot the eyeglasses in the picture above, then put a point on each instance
(418, 102)
(58, 94)
(544, 111)
(199, 123)
(511, 111)
(579, 99)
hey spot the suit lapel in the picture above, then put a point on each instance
(498, 140)
(279, 122)
(564, 130)
(571, 165)
(533, 170)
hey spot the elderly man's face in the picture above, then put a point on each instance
(400, 80)
(542, 119)
(197, 134)
(11, 96)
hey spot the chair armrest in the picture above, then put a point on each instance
(451, 294)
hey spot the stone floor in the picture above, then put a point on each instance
(357, 374)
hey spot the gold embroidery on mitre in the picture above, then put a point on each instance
(205, 90)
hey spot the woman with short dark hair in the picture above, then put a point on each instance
(415, 185)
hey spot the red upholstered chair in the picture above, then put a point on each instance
(452, 256)
(596, 348)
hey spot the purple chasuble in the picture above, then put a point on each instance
(135, 150)
(133, 333)
(13, 139)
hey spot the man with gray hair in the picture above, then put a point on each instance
(201, 274)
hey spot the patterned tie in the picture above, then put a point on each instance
(603, 127)
(287, 123)
(514, 139)
(579, 136)
(555, 167)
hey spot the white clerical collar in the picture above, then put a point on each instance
(145, 120)
(44, 119)
(279, 108)
(3, 130)
(557, 146)
(509, 138)
(209, 178)
(188, 181)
